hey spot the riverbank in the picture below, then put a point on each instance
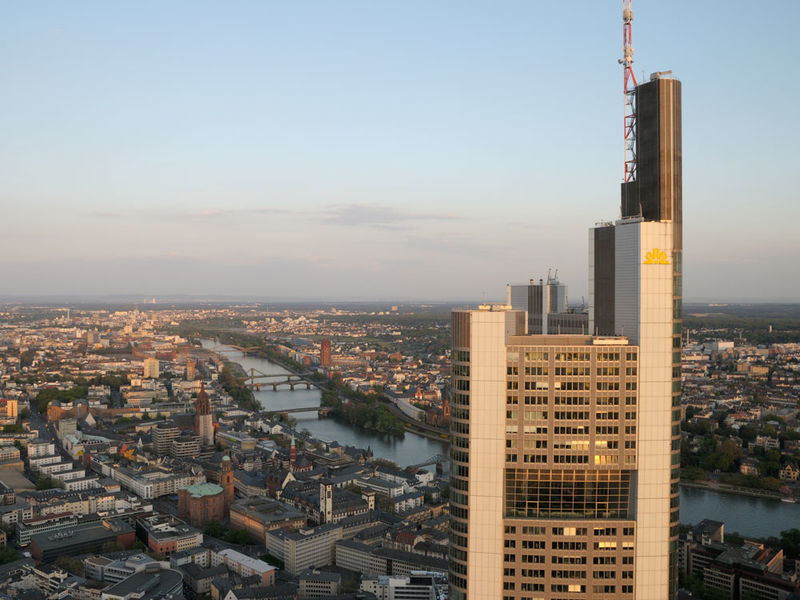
(411, 448)
(232, 377)
(429, 431)
(725, 488)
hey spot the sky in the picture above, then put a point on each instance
(375, 150)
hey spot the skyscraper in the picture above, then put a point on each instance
(546, 305)
(190, 369)
(635, 288)
(325, 354)
(565, 448)
(150, 368)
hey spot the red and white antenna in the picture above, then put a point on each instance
(628, 90)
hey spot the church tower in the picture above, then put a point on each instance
(203, 420)
(226, 481)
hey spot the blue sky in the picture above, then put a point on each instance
(376, 150)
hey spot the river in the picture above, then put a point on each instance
(759, 517)
(746, 515)
(408, 450)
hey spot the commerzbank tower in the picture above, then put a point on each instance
(565, 446)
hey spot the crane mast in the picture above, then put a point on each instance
(629, 93)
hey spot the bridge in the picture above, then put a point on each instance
(323, 411)
(436, 459)
(270, 380)
(232, 348)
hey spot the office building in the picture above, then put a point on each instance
(185, 446)
(245, 566)
(150, 368)
(190, 369)
(167, 535)
(9, 411)
(305, 548)
(545, 303)
(260, 515)
(325, 354)
(47, 547)
(163, 434)
(158, 584)
(565, 448)
(318, 584)
(635, 273)
(413, 587)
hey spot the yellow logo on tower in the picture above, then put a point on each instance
(656, 256)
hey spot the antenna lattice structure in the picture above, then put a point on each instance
(628, 90)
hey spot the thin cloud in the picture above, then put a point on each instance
(106, 215)
(377, 215)
(233, 212)
(208, 213)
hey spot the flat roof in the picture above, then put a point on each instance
(266, 510)
(149, 585)
(71, 536)
(255, 564)
(567, 339)
(15, 480)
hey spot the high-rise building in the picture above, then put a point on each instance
(543, 449)
(545, 303)
(325, 353)
(635, 287)
(565, 448)
(190, 369)
(151, 370)
(163, 436)
(203, 420)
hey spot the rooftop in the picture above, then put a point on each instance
(198, 490)
(147, 586)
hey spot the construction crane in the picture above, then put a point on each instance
(629, 93)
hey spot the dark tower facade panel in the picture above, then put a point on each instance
(655, 194)
(604, 251)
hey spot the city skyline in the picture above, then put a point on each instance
(300, 152)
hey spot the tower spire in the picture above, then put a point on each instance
(628, 93)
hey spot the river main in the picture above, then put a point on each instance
(408, 450)
(748, 516)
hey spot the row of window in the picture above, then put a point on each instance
(566, 574)
(559, 559)
(571, 459)
(568, 415)
(571, 400)
(536, 355)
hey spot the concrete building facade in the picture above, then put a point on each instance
(565, 448)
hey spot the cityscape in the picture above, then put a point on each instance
(624, 425)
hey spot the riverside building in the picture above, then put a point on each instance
(565, 448)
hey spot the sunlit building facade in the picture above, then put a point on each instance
(565, 448)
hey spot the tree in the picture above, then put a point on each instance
(790, 542)
(215, 529)
(693, 474)
(112, 547)
(45, 482)
(8, 554)
(71, 565)
(239, 536)
(726, 456)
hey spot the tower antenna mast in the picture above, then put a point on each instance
(629, 93)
